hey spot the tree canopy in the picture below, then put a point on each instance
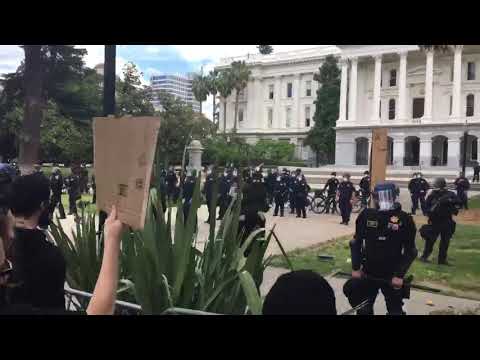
(265, 49)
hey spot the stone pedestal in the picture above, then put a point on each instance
(195, 151)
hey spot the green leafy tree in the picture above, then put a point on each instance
(225, 88)
(321, 138)
(265, 49)
(276, 151)
(240, 75)
(200, 88)
(132, 97)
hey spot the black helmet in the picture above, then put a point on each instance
(439, 183)
(366, 172)
(333, 173)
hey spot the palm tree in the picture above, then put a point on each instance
(241, 74)
(265, 49)
(199, 88)
(30, 138)
(212, 87)
(225, 88)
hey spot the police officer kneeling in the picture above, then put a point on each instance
(382, 251)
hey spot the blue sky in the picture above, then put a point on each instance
(154, 59)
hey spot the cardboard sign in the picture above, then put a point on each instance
(378, 163)
(124, 150)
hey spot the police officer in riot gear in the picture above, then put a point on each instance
(72, 182)
(365, 188)
(476, 172)
(171, 181)
(270, 184)
(188, 189)
(56, 186)
(331, 186)
(418, 188)
(382, 251)
(300, 191)
(280, 194)
(462, 185)
(208, 192)
(346, 191)
(441, 205)
(224, 192)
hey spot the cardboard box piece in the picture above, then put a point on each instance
(124, 151)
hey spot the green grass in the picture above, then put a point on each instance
(85, 198)
(66, 171)
(474, 202)
(463, 254)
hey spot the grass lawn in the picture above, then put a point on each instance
(474, 202)
(85, 198)
(461, 279)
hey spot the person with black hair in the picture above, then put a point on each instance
(300, 191)
(346, 193)
(39, 266)
(302, 292)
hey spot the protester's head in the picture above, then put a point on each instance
(419, 175)
(346, 177)
(333, 174)
(366, 172)
(302, 292)
(30, 196)
(439, 183)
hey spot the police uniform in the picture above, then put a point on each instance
(418, 188)
(291, 194)
(476, 173)
(345, 192)
(56, 185)
(73, 182)
(331, 202)
(270, 185)
(208, 192)
(365, 187)
(188, 189)
(224, 194)
(462, 185)
(300, 191)
(383, 247)
(280, 194)
(441, 205)
(171, 181)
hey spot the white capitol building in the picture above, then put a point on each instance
(426, 99)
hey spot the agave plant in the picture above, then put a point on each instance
(169, 271)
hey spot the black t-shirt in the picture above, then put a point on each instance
(38, 271)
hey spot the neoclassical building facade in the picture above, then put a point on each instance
(426, 99)
(278, 103)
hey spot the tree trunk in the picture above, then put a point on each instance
(236, 112)
(225, 116)
(213, 111)
(30, 137)
(109, 80)
(200, 107)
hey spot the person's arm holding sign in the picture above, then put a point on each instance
(105, 293)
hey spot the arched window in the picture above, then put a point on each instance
(361, 156)
(471, 71)
(393, 77)
(391, 109)
(470, 104)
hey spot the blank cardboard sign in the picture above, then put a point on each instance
(124, 149)
(378, 165)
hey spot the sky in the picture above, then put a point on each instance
(155, 59)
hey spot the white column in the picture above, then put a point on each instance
(398, 151)
(427, 113)
(249, 113)
(342, 116)
(402, 87)
(376, 90)
(454, 152)
(457, 82)
(352, 96)
(426, 151)
(297, 93)
(277, 94)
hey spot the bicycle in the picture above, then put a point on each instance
(358, 205)
(321, 201)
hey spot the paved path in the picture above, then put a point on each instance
(416, 305)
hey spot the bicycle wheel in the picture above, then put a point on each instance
(318, 205)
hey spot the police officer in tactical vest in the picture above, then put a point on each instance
(462, 185)
(300, 191)
(171, 181)
(365, 187)
(441, 205)
(331, 186)
(418, 188)
(56, 186)
(476, 172)
(188, 189)
(208, 192)
(382, 251)
(72, 182)
(346, 191)
(280, 194)
(224, 188)
(270, 184)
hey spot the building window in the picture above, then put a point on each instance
(308, 86)
(474, 151)
(451, 101)
(393, 77)
(391, 109)
(451, 73)
(307, 116)
(380, 110)
(289, 90)
(418, 107)
(270, 118)
(270, 92)
(288, 117)
(470, 104)
(471, 71)
(240, 115)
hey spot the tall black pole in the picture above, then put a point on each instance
(108, 102)
(464, 159)
(109, 80)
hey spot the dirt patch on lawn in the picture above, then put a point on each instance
(469, 217)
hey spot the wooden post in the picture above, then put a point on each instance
(378, 156)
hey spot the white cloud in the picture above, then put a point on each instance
(10, 58)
